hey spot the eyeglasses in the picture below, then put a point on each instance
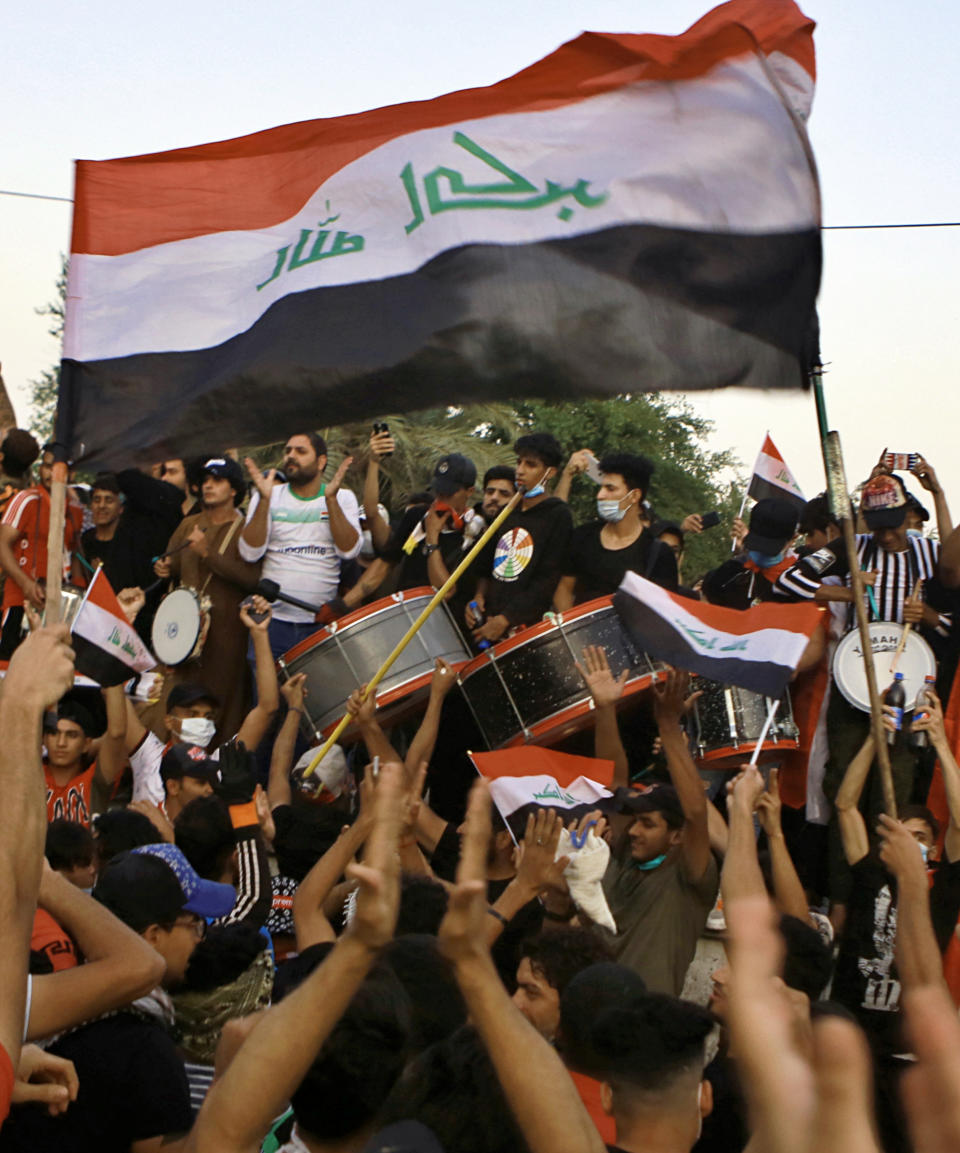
(197, 924)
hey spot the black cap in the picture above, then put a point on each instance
(188, 761)
(453, 472)
(225, 468)
(773, 522)
(185, 695)
(656, 799)
(140, 890)
(920, 509)
(68, 710)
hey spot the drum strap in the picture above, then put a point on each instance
(224, 544)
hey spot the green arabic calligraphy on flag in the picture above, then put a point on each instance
(574, 229)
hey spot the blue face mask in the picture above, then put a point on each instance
(610, 510)
(537, 490)
(914, 532)
(761, 560)
(646, 866)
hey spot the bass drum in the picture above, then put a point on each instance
(916, 662)
(726, 722)
(347, 653)
(180, 627)
(528, 690)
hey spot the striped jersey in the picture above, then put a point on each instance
(897, 574)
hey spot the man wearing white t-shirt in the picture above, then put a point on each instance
(303, 530)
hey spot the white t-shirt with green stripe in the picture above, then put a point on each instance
(299, 552)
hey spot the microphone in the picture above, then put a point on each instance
(271, 592)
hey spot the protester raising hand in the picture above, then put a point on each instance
(605, 688)
(378, 878)
(811, 1097)
(263, 482)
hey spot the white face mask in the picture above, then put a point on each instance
(197, 731)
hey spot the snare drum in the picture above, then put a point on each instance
(726, 723)
(527, 689)
(347, 653)
(180, 627)
(916, 662)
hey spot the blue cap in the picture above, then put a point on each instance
(205, 898)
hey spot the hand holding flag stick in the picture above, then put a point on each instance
(412, 631)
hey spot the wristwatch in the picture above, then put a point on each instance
(427, 549)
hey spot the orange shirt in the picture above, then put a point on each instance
(589, 1090)
(77, 800)
(29, 513)
(51, 939)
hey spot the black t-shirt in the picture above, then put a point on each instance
(413, 572)
(133, 1086)
(526, 561)
(600, 570)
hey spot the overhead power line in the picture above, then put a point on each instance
(824, 227)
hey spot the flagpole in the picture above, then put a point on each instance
(840, 508)
(743, 505)
(412, 631)
(58, 507)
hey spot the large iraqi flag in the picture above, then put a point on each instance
(632, 212)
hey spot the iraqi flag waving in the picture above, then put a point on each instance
(532, 777)
(757, 649)
(108, 649)
(772, 478)
(632, 212)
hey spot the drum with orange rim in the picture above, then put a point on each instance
(527, 689)
(726, 723)
(345, 655)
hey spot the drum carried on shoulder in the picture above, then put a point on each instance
(344, 655)
(527, 689)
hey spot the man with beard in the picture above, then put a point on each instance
(301, 531)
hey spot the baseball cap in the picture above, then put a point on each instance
(331, 775)
(205, 898)
(154, 884)
(188, 761)
(185, 695)
(656, 799)
(68, 710)
(772, 523)
(883, 502)
(453, 472)
(920, 509)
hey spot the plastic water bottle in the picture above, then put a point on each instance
(921, 710)
(480, 618)
(896, 697)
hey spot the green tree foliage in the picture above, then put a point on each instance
(687, 476)
(43, 391)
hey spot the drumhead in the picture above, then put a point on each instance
(916, 662)
(176, 627)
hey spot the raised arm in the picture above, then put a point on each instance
(787, 889)
(257, 721)
(537, 1087)
(924, 472)
(669, 705)
(606, 690)
(741, 875)
(253, 537)
(853, 828)
(425, 738)
(344, 525)
(933, 725)
(919, 961)
(293, 692)
(40, 671)
(119, 964)
(113, 752)
(375, 739)
(381, 445)
(278, 1052)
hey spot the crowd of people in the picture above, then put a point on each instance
(208, 946)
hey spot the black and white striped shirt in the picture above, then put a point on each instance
(897, 574)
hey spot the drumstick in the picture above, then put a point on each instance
(763, 732)
(906, 629)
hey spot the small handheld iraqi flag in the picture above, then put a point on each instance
(772, 478)
(757, 649)
(532, 777)
(107, 646)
